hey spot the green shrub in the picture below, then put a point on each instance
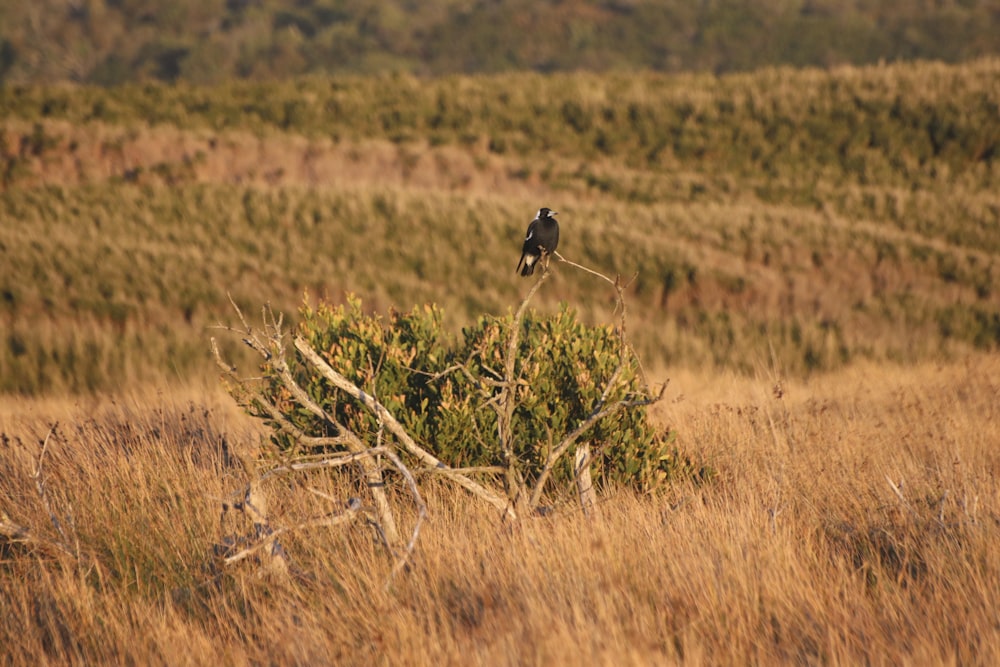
(443, 390)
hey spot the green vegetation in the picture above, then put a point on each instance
(444, 392)
(801, 219)
(879, 126)
(114, 41)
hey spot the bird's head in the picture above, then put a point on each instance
(546, 213)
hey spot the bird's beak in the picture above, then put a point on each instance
(553, 212)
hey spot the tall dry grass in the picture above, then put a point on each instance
(853, 519)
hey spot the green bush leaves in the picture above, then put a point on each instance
(442, 387)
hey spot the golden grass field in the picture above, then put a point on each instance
(815, 255)
(800, 551)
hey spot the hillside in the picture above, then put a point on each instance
(813, 257)
(798, 219)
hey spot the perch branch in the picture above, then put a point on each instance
(508, 393)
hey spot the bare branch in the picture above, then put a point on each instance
(588, 270)
(508, 395)
(492, 470)
(346, 437)
(227, 368)
(395, 427)
(330, 520)
(273, 351)
(421, 513)
(338, 518)
(337, 461)
(40, 486)
(584, 483)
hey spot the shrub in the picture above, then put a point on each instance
(444, 391)
(519, 409)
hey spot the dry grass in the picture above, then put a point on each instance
(79, 154)
(799, 551)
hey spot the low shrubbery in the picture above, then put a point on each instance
(442, 390)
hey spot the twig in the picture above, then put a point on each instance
(584, 268)
(40, 486)
(898, 490)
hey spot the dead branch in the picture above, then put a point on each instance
(584, 482)
(507, 399)
(331, 520)
(334, 461)
(252, 505)
(63, 543)
(273, 351)
(395, 427)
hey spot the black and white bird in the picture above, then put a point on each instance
(542, 239)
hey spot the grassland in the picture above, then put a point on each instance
(800, 552)
(816, 258)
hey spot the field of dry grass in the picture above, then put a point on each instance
(815, 255)
(853, 520)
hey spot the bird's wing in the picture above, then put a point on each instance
(531, 229)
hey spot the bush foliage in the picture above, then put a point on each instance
(440, 387)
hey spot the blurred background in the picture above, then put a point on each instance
(795, 186)
(115, 41)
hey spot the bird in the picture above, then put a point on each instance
(542, 239)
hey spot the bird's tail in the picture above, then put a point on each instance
(525, 266)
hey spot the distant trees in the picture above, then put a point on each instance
(110, 42)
